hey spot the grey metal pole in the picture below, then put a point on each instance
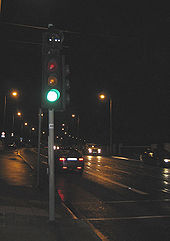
(78, 125)
(13, 121)
(39, 145)
(4, 117)
(51, 167)
(110, 106)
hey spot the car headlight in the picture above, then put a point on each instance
(56, 148)
(151, 154)
(166, 160)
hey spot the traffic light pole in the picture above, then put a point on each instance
(39, 145)
(51, 167)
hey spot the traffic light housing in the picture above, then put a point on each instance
(53, 82)
(66, 83)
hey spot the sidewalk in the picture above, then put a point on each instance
(24, 217)
(22, 220)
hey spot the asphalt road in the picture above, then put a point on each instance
(122, 200)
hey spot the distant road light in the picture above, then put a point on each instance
(14, 93)
(102, 96)
(19, 113)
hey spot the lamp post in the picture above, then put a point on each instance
(13, 94)
(4, 116)
(103, 97)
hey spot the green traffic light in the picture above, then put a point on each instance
(53, 95)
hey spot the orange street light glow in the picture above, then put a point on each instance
(19, 113)
(14, 93)
(102, 96)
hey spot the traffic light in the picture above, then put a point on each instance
(66, 83)
(52, 76)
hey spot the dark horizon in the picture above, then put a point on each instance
(123, 50)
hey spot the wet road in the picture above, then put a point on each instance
(121, 200)
(14, 171)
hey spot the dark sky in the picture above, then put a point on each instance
(121, 47)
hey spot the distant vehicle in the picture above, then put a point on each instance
(156, 157)
(68, 159)
(93, 149)
(12, 146)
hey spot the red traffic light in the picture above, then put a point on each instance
(52, 65)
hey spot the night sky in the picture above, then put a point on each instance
(122, 47)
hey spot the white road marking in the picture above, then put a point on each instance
(127, 218)
(115, 169)
(99, 234)
(125, 158)
(137, 201)
(117, 183)
(95, 230)
(120, 201)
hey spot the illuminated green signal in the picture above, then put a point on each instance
(53, 95)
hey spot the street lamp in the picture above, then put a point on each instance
(21, 124)
(14, 94)
(103, 97)
(78, 123)
(19, 114)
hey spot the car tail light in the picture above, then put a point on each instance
(62, 159)
(64, 167)
(81, 159)
(79, 167)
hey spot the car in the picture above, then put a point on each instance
(12, 146)
(93, 149)
(69, 159)
(157, 157)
